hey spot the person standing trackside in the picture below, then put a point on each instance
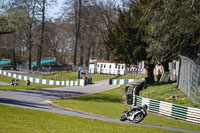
(28, 82)
(17, 82)
(12, 82)
(159, 75)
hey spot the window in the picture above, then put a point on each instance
(118, 66)
(98, 65)
(115, 66)
(101, 65)
(122, 66)
(110, 66)
(104, 66)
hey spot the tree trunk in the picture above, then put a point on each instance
(150, 73)
(81, 54)
(39, 56)
(166, 65)
(30, 49)
(77, 8)
(107, 54)
(29, 58)
(87, 58)
(14, 59)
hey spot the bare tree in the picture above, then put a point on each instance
(39, 56)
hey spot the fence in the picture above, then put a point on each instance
(79, 82)
(189, 79)
(169, 109)
(123, 81)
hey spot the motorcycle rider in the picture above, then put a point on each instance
(144, 107)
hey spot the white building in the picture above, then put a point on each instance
(107, 68)
(115, 68)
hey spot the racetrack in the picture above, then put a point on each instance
(39, 99)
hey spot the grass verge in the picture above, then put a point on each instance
(21, 85)
(109, 103)
(133, 76)
(65, 76)
(167, 92)
(18, 120)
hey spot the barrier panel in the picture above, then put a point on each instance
(79, 82)
(121, 81)
(169, 109)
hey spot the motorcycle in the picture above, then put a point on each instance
(135, 115)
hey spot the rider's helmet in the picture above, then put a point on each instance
(145, 107)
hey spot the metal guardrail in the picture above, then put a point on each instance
(169, 109)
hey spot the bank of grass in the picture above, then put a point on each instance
(66, 76)
(19, 120)
(62, 75)
(133, 76)
(167, 92)
(74, 76)
(98, 77)
(21, 85)
(109, 103)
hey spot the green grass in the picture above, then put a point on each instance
(21, 85)
(64, 75)
(98, 77)
(18, 120)
(109, 103)
(165, 92)
(61, 76)
(132, 76)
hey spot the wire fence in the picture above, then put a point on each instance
(189, 79)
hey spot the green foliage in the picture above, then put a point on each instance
(173, 29)
(156, 31)
(124, 39)
(10, 20)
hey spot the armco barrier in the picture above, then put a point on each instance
(79, 82)
(169, 109)
(121, 81)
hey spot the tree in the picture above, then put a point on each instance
(39, 56)
(31, 9)
(94, 18)
(125, 38)
(171, 30)
(9, 18)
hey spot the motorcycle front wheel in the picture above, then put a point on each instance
(123, 117)
(138, 118)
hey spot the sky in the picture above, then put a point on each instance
(54, 11)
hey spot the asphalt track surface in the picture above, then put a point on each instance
(2, 83)
(40, 99)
